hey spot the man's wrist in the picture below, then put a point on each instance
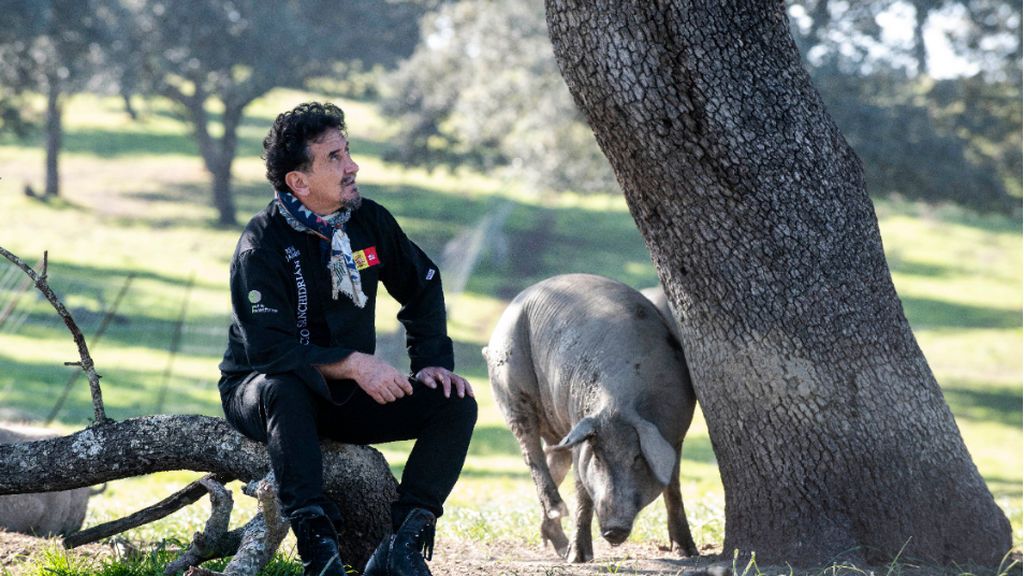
(348, 368)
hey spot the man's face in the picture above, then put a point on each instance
(329, 184)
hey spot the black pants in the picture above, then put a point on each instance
(287, 416)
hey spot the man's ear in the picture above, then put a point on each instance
(297, 181)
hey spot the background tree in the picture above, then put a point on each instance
(831, 433)
(214, 57)
(483, 89)
(52, 47)
(464, 97)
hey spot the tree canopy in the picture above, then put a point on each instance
(211, 57)
(482, 89)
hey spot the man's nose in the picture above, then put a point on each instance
(352, 166)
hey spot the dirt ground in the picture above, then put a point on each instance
(454, 558)
(513, 558)
(460, 558)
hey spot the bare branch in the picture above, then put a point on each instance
(262, 536)
(221, 505)
(187, 495)
(214, 541)
(111, 311)
(99, 416)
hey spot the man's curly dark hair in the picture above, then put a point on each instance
(286, 146)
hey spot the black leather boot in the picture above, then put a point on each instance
(317, 543)
(403, 553)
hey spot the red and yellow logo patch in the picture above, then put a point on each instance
(366, 258)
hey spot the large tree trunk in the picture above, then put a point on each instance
(356, 477)
(831, 433)
(54, 135)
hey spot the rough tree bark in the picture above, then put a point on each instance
(831, 433)
(150, 444)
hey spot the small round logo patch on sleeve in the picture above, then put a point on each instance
(255, 296)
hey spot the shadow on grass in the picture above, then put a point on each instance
(920, 269)
(1002, 486)
(973, 401)
(137, 141)
(33, 388)
(117, 143)
(927, 313)
(544, 242)
(986, 221)
(130, 329)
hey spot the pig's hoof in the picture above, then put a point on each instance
(561, 548)
(551, 533)
(580, 555)
(685, 551)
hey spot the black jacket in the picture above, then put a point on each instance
(285, 320)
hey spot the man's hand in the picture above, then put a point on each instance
(433, 375)
(380, 380)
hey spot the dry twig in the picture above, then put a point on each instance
(167, 506)
(86, 363)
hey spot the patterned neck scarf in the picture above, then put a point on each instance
(331, 228)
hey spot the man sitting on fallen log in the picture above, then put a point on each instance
(300, 361)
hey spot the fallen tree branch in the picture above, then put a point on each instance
(187, 495)
(99, 415)
(357, 478)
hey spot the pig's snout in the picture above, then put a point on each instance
(615, 536)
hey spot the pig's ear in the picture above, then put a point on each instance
(583, 430)
(660, 455)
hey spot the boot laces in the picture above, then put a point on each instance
(426, 537)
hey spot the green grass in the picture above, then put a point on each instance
(136, 201)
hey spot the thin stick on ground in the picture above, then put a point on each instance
(86, 362)
(95, 340)
(184, 497)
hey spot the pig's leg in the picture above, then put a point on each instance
(516, 391)
(678, 527)
(559, 462)
(583, 544)
(525, 428)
